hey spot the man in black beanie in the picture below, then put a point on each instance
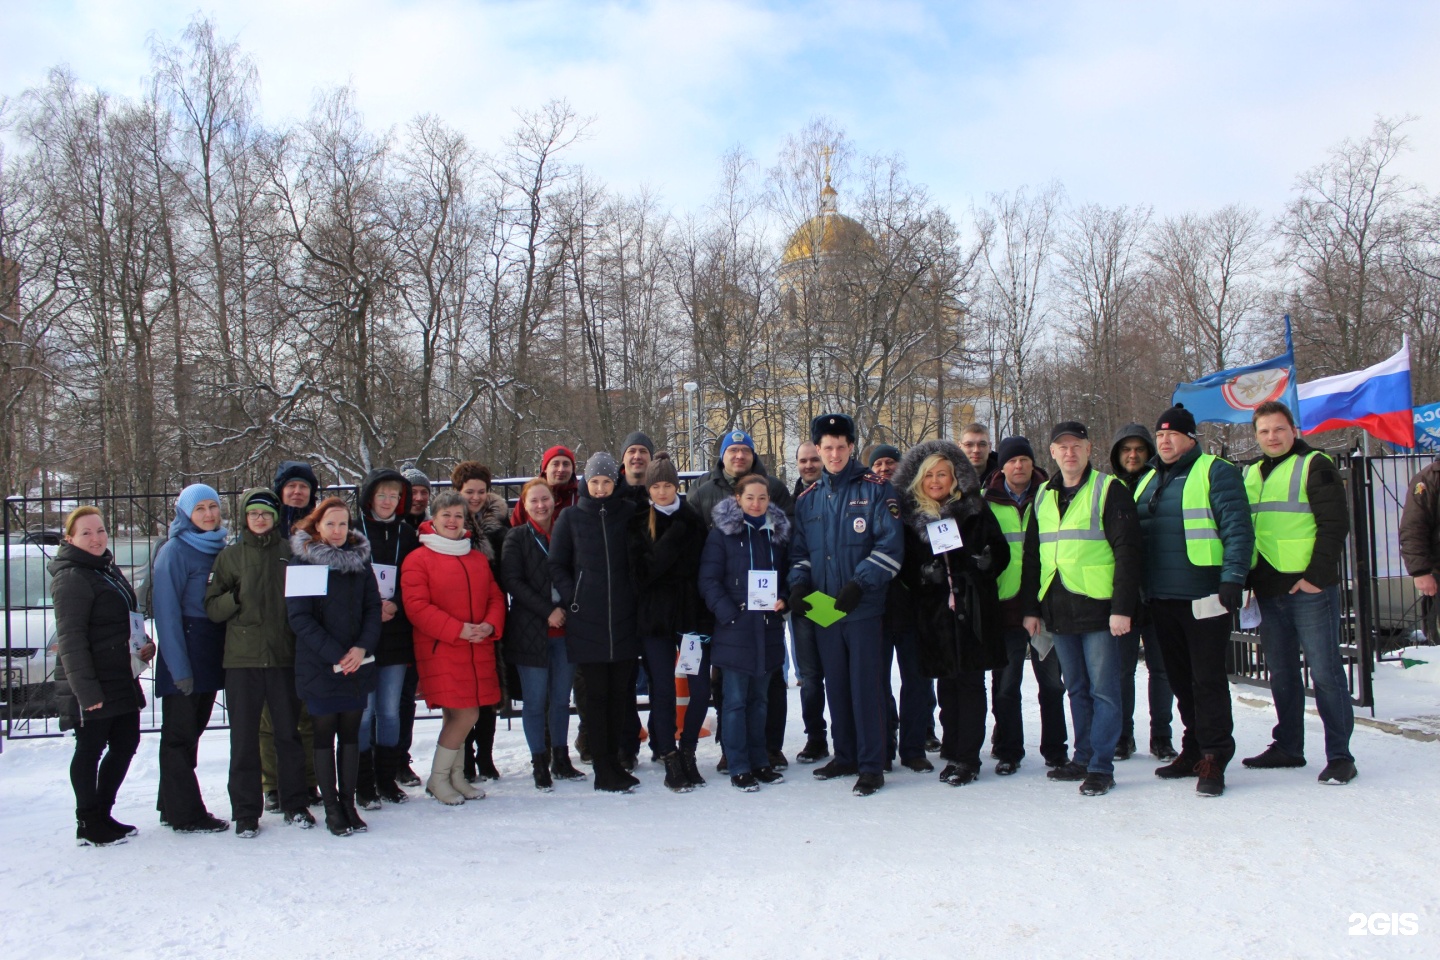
(1198, 541)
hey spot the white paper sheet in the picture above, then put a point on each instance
(306, 580)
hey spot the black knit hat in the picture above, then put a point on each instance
(1179, 419)
(1012, 447)
(881, 450)
(637, 439)
(832, 425)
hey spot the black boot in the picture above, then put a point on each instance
(485, 745)
(1181, 767)
(335, 820)
(1162, 749)
(675, 778)
(692, 771)
(561, 766)
(542, 772)
(582, 745)
(366, 793)
(92, 830)
(349, 774)
(387, 763)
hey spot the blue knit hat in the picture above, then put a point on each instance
(194, 495)
(734, 437)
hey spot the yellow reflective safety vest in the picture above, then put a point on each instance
(1074, 546)
(1202, 534)
(1012, 523)
(1280, 507)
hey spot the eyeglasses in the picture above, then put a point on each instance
(388, 497)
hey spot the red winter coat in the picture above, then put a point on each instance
(443, 593)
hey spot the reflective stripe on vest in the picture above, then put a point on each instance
(1012, 524)
(1280, 506)
(1203, 547)
(1075, 545)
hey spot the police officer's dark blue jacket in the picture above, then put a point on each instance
(847, 527)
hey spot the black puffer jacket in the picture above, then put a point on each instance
(326, 627)
(590, 566)
(971, 636)
(390, 543)
(525, 576)
(667, 571)
(715, 486)
(92, 603)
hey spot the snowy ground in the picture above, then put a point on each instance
(1017, 867)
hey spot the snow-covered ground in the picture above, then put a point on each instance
(1006, 867)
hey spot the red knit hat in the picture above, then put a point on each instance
(552, 453)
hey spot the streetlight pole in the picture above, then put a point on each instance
(692, 415)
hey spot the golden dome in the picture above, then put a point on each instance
(828, 232)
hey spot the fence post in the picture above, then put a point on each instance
(1364, 576)
(9, 696)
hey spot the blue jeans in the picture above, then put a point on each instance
(1091, 665)
(742, 731)
(382, 708)
(1308, 621)
(545, 697)
(1157, 686)
(1009, 741)
(812, 677)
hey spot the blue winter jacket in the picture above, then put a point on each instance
(1169, 574)
(847, 527)
(192, 649)
(750, 641)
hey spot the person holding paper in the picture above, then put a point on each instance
(1082, 571)
(742, 577)
(535, 637)
(590, 567)
(384, 496)
(668, 537)
(848, 544)
(457, 611)
(336, 620)
(1198, 542)
(99, 696)
(1297, 502)
(954, 553)
(247, 594)
(189, 670)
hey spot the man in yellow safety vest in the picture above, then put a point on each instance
(1297, 503)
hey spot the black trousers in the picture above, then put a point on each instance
(407, 711)
(248, 690)
(103, 750)
(962, 716)
(609, 707)
(1194, 653)
(182, 720)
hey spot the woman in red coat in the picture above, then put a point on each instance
(458, 612)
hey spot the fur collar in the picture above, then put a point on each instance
(960, 509)
(494, 515)
(730, 519)
(351, 558)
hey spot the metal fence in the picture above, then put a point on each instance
(137, 523)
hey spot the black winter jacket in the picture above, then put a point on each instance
(715, 486)
(525, 576)
(390, 543)
(326, 627)
(92, 604)
(667, 571)
(1332, 525)
(751, 641)
(294, 470)
(590, 566)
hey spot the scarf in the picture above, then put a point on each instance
(670, 510)
(442, 544)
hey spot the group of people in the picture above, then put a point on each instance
(323, 625)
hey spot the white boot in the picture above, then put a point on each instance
(457, 779)
(438, 786)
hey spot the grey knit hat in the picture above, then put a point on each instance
(601, 464)
(638, 438)
(416, 477)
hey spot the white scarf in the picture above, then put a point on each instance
(668, 511)
(442, 544)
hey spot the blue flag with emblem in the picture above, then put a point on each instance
(1231, 396)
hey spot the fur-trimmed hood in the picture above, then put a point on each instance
(730, 519)
(968, 504)
(350, 558)
(494, 515)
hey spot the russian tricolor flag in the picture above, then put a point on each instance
(1376, 399)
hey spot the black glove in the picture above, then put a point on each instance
(849, 597)
(933, 571)
(796, 601)
(984, 562)
(186, 686)
(1232, 596)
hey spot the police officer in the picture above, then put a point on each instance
(1084, 538)
(848, 543)
(1297, 503)
(1198, 542)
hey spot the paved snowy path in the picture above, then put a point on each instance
(1016, 867)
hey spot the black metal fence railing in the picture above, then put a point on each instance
(137, 523)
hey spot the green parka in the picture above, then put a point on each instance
(247, 594)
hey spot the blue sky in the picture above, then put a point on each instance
(1184, 106)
